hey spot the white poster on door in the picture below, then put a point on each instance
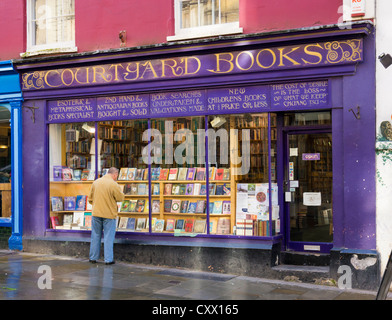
(312, 199)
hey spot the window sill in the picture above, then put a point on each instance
(206, 31)
(37, 52)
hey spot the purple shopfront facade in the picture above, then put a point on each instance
(75, 88)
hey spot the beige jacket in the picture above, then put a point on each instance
(104, 195)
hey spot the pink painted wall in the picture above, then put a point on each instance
(12, 29)
(150, 22)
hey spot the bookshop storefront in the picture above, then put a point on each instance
(229, 152)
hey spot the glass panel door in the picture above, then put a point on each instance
(308, 193)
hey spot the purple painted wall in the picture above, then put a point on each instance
(34, 170)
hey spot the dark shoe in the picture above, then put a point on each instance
(111, 262)
(92, 261)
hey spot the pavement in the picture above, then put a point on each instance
(28, 276)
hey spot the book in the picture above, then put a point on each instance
(191, 174)
(77, 174)
(200, 206)
(127, 189)
(167, 205)
(200, 173)
(219, 190)
(123, 174)
(189, 225)
(226, 207)
(219, 174)
(131, 224)
(57, 203)
(196, 189)
(155, 173)
(211, 173)
(223, 226)
(123, 223)
(140, 205)
(145, 174)
(175, 189)
(155, 206)
(182, 189)
(132, 205)
(57, 173)
(175, 206)
(217, 207)
(226, 174)
(139, 174)
(131, 174)
(55, 222)
(184, 206)
(142, 189)
(170, 224)
(80, 202)
(199, 226)
(164, 174)
(182, 173)
(125, 206)
(189, 189)
(159, 225)
(192, 207)
(78, 218)
(68, 218)
(173, 174)
(141, 224)
(212, 188)
(167, 191)
(69, 203)
(85, 174)
(203, 190)
(67, 174)
(91, 175)
(180, 224)
(87, 219)
(155, 189)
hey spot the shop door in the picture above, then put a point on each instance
(308, 191)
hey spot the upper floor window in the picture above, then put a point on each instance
(205, 18)
(50, 26)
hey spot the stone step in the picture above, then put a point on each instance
(307, 274)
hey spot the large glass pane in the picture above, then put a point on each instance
(178, 175)
(121, 145)
(71, 172)
(5, 163)
(195, 13)
(310, 185)
(257, 210)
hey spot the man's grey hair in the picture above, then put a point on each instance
(113, 170)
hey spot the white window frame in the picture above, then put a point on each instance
(32, 49)
(201, 31)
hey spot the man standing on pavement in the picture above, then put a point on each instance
(104, 195)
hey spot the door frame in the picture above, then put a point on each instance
(300, 246)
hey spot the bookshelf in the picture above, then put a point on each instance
(182, 198)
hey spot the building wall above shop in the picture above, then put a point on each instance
(97, 27)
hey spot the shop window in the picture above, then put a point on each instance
(307, 119)
(50, 26)
(71, 172)
(187, 175)
(5, 163)
(178, 174)
(203, 18)
(249, 177)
